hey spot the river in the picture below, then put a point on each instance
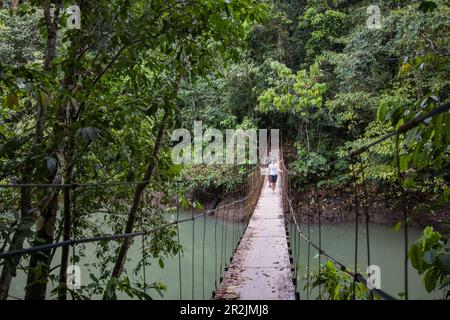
(220, 239)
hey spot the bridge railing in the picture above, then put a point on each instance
(314, 207)
(235, 216)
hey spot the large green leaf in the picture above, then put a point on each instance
(382, 113)
(430, 279)
(415, 255)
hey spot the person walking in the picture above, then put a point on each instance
(274, 169)
(265, 163)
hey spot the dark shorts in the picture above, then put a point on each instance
(273, 179)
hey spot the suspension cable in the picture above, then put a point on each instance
(215, 252)
(356, 204)
(193, 252)
(143, 253)
(179, 249)
(309, 246)
(342, 267)
(404, 211)
(367, 218)
(319, 213)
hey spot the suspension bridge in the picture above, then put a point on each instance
(265, 264)
(261, 265)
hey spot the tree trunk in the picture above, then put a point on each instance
(26, 221)
(39, 262)
(118, 267)
(67, 220)
(39, 265)
(62, 293)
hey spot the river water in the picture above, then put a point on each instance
(200, 271)
(386, 251)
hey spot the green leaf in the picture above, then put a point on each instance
(415, 255)
(161, 263)
(397, 227)
(430, 280)
(381, 113)
(404, 160)
(44, 98)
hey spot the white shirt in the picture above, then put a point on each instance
(273, 169)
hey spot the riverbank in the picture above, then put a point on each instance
(225, 208)
(337, 205)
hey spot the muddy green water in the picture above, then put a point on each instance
(199, 278)
(386, 251)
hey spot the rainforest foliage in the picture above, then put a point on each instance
(96, 104)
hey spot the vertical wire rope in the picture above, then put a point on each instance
(319, 214)
(203, 255)
(308, 269)
(367, 217)
(226, 231)
(215, 251)
(74, 215)
(193, 252)
(143, 251)
(179, 249)
(355, 188)
(405, 214)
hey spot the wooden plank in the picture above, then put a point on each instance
(261, 269)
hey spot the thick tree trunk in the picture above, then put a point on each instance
(67, 222)
(39, 262)
(39, 265)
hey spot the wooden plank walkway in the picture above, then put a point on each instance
(261, 269)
